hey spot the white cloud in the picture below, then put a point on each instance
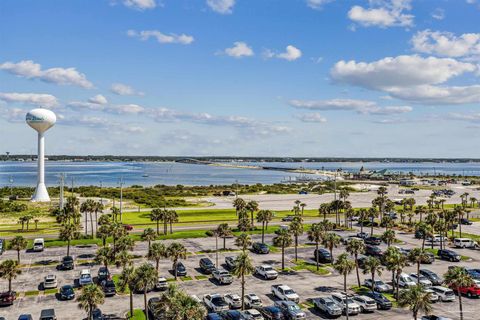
(438, 14)
(291, 53)
(359, 106)
(221, 6)
(383, 13)
(31, 70)
(124, 90)
(446, 95)
(125, 109)
(13, 114)
(36, 99)
(311, 117)
(239, 50)
(447, 44)
(98, 99)
(318, 4)
(161, 37)
(140, 4)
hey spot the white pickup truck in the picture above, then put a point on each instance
(285, 293)
(266, 272)
(215, 302)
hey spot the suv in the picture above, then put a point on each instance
(252, 301)
(322, 255)
(327, 306)
(181, 270)
(2, 246)
(222, 276)
(448, 255)
(291, 309)
(162, 284)
(103, 274)
(67, 293)
(260, 248)
(207, 265)
(234, 301)
(382, 302)
(366, 304)
(272, 313)
(266, 272)
(230, 261)
(374, 241)
(373, 251)
(48, 314)
(38, 244)
(66, 264)
(108, 287)
(432, 276)
(85, 277)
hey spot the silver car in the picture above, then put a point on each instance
(379, 285)
(327, 306)
(291, 309)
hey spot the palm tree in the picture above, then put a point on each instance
(127, 280)
(395, 262)
(223, 231)
(324, 209)
(145, 279)
(243, 241)
(456, 278)
(420, 210)
(18, 243)
(344, 266)
(175, 304)
(171, 217)
(417, 255)
(148, 235)
(9, 270)
(243, 267)
(156, 215)
(104, 256)
(252, 206)
(68, 232)
(331, 240)
(239, 204)
(315, 234)
(157, 252)
(416, 299)
(176, 251)
(264, 217)
(283, 239)
(372, 213)
(356, 247)
(296, 228)
(123, 259)
(97, 207)
(89, 299)
(85, 208)
(388, 237)
(373, 266)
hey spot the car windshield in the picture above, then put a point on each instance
(217, 300)
(350, 301)
(329, 303)
(268, 268)
(67, 289)
(378, 282)
(293, 307)
(85, 276)
(289, 291)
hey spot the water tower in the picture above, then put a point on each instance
(41, 120)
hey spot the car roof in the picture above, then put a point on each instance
(85, 271)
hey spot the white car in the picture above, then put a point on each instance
(405, 281)
(85, 277)
(252, 301)
(284, 292)
(422, 280)
(380, 286)
(222, 276)
(444, 294)
(366, 304)
(342, 300)
(161, 284)
(215, 302)
(38, 244)
(266, 272)
(433, 296)
(252, 314)
(234, 300)
(50, 281)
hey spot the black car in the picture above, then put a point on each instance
(181, 270)
(7, 298)
(67, 293)
(108, 287)
(2, 246)
(288, 218)
(103, 274)
(373, 251)
(322, 255)
(374, 241)
(465, 221)
(151, 304)
(232, 315)
(214, 316)
(419, 234)
(260, 248)
(432, 276)
(67, 263)
(97, 314)
(361, 261)
(48, 314)
(206, 265)
(448, 255)
(272, 313)
(382, 302)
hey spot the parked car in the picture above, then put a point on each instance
(433, 295)
(232, 315)
(85, 277)
(465, 243)
(465, 221)
(162, 284)
(251, 300)
(2, 246)
(433, 317)
(429, 258)
(48, 314)
(215, 302)
(382, 302)
(327, 306)
(23, 317)
(366, 304)
(422, 280)
(206, 265)
(362, 235)
(181, 270)
(284, 292)
(222, 276)
(322, 256)
(379, 285)
(103, 274)
(67, 292)
(432, 276)
(97, 314)
(230, 262)
(151, 306)
(342, 300)
(374, 241)
(291, 310)
(50, 281)
(272, 313)
(266, 271)
(449, 255)
(38, 244)
(234, 300)
(67, 263)
(128, 227)
(260, 248)
(252, 314)
(288, 218)
(406, 281)
(214, 316)
(444, 294)
(7, 298)
(108, 287)
(373, 251)
(470, 291)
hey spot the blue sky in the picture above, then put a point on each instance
(373, 78)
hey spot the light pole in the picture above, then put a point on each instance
(121, 197)
(101, 194)
(216, 249)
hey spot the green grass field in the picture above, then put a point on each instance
(137, 315)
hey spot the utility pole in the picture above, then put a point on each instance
(121, 197)
(62, 197)
(216, 249)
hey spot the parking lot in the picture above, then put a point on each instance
(308, 285)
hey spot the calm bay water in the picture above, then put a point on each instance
(170, 173)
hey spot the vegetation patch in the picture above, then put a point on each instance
(186, 278)
(201, 277)
(137, 315)
(31, 293)
(304, 265)
(51, 291)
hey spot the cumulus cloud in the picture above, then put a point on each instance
(221, 6)
(317, 4)
(140, 4)
(13, 114)
(31, 70)
(36, 99)
(161, 37)
(447, 44)
(438, 14)
(98, 99)
(125, 109)
(359, 106)
(124, 90)
(311, 117)
(291, 53)
(383, 13)
(445, 95)
(239, 50)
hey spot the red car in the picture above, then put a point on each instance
(472, 291)
(7, 298)
(128, 227)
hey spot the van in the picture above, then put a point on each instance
(38, 244)
(464, 243)
(48, 314)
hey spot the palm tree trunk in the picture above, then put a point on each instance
(175, 269)
(296, 245)
(158, 227)
(18, 256)
(361, 226)
(86, 224)
(145, 302)
(243, 291)
(283, 257)
(224, 243)
(371, 228)
(9, 284)
(157, 263)
(356, 267)
(90, 312)
(460, 303)
(317, 255)
(263, 232)
(418, 272)
(68, 247)
(423, 242)
(91, 222)
(131, 302)
(373, 281)
(171, 229)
